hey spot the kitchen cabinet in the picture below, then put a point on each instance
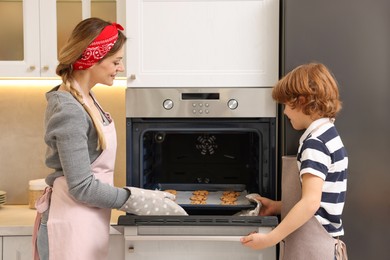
(20, 247)
(32, 32)
(202, 43)
(16, 228)
(116, 250)
(17, 248)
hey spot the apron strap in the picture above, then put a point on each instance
(341, 249)
(42, 204)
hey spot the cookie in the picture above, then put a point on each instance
(198, 202)
(174, 192)
(198, 197)
(231, 193)
(201, 192)
(228, 198)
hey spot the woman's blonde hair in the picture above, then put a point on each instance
(316, 84)
(83, 34)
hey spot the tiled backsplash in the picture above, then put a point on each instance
(22, 149)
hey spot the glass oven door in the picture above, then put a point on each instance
(193, 154)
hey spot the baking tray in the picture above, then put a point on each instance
(213, 202)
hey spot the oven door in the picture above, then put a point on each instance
(178, 243)
(203, 154)
(194, 237)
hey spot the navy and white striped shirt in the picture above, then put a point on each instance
(322, 153)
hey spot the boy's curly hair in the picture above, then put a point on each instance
(316, 84)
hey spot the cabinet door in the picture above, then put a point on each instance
(116, 249)
(20, 247)
(48, 40)
(202, 43)
(19, 34)
(17, 248)
(31, 47)
(33, 32)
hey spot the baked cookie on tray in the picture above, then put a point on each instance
(229, 197)
(199, 197)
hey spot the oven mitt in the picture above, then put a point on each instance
(251, 212)
(151, 202)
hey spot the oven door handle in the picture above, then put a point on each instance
(184, 238)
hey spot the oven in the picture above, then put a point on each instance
(190, 139)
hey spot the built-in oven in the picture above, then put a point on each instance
(218, 140)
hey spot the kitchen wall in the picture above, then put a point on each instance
(22, 149)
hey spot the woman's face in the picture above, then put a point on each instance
(105, 71)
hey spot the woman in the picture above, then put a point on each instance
(311, 210)
(74, 212)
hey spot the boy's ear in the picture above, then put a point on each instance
(302, 100)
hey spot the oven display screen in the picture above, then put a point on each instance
(200, 96)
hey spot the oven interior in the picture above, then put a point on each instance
(214, 155)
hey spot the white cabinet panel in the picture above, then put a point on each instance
(20, 247)
(202, 43)
(17, 248)
(116, 251)
(28, 64)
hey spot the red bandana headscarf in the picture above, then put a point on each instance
(99, 47)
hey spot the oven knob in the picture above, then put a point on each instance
(232, 104)
(168, 104)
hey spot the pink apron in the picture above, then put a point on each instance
(75, 230)
(311, 241)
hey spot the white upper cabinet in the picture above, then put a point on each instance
(208, 43)
(33, 31)
(19, 52)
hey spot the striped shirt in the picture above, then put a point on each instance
(322, 153)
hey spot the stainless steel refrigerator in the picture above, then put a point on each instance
(352, 37)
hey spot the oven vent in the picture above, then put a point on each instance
(189, 220)
(222, 221)
(132, 220)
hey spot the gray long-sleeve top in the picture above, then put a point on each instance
(72, 139)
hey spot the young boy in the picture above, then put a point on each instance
(311, 98)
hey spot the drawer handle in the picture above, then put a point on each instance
(184, 238)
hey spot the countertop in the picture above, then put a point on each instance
(18, 220)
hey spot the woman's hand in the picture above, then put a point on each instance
(151, 202)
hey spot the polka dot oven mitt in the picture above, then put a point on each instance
(151, 202)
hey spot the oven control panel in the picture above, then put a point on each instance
(200, 102)
(200, 107)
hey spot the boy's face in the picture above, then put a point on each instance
(298, 119)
